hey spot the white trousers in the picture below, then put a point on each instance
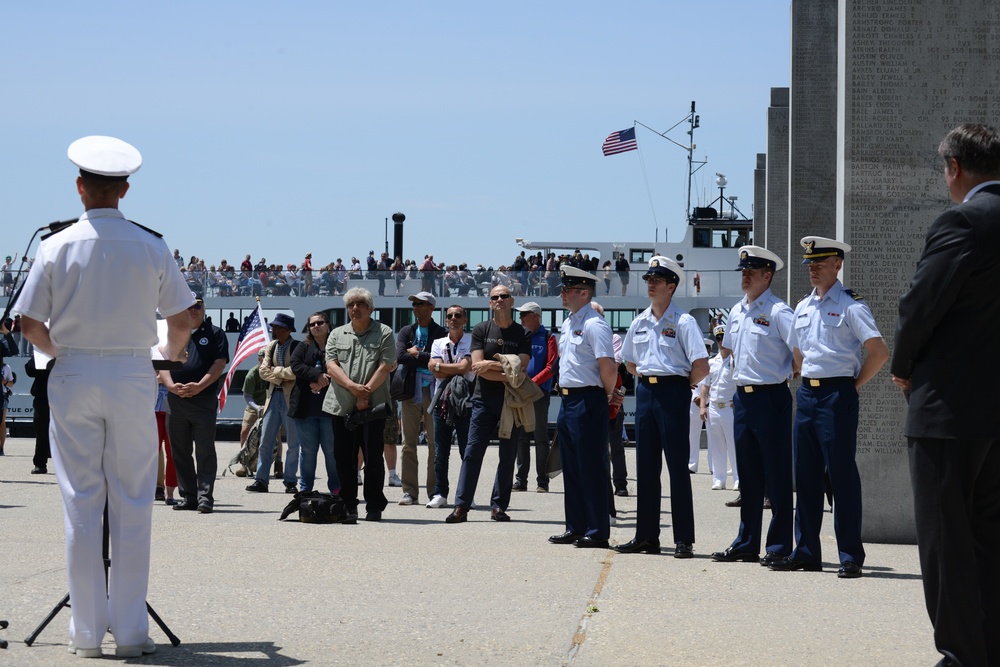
(721, 443)
(103, 435)
(695, 439)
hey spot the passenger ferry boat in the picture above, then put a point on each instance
(707, 253)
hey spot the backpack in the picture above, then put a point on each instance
(316, 507)
(454, 401)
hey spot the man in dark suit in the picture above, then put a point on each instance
(953, 425)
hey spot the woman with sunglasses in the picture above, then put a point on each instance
(305, 406)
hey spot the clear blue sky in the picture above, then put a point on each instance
(280, 128)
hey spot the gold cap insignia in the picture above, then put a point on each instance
(808, 245)
(654, 263)
(744, 255)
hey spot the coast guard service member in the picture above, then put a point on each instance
(831, 326)
(758, 333)
(665, 349)
(587, 377)
(99, 283)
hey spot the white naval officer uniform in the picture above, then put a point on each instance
(719, 427)
(99, 284)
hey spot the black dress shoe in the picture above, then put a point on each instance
(735, 503)
(771, 557)
(623, 492)
(565, 538)
(587, 542)
(499, 515)
(849, 570)
(204, 508)
(39, 470)
(351, 518)
(790, 565)
(732, 556)
(682, 550)
(373, 516)
(519, 486)
(159, 495)
(257, 487)
(169, 501)
(290, 488)
(639, 546)
(458, 515)
(186, 505)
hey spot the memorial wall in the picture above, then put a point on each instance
(776, 226)
(909, 71)
(812, 198)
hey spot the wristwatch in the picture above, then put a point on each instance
(437, 367)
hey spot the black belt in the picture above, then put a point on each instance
(751, 388)
(566, 391)
(826, 382)
(659, 379)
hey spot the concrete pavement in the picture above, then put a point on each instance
(240, 588)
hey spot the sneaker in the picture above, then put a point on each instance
(718, 486)
(85, 652)
(542, 489)
(257, 487)
(394, 479)
(407, 499)
(137, 650)
(438, 501)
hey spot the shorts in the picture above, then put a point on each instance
(249, 417)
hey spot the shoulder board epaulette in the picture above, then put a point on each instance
(58, 227)
(151, 231)
(850, 293)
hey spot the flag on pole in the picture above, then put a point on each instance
(253, 337)
(620, 142)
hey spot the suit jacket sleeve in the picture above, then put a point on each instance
(937, 282)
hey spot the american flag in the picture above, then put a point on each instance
(620, 142)
(253, 337)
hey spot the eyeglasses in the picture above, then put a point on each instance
(196, 306)
(454, 316)
(571, 289)
(651, 280)
(316, 323)
(500, 297)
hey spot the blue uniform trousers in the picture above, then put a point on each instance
(582, 429)
(762, 421)
(482, 426)
(662, 420)
(826, 436)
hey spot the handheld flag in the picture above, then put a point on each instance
(253, 337)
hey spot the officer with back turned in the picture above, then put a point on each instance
(758, 333)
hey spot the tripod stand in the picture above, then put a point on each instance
(105, 545)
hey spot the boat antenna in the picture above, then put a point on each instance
(694, 122)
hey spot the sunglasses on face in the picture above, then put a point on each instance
(454, 316)
(421, 303)
(316, 323)
(196, 306)
(571, 289)
(499, 297)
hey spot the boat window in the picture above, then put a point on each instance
(702, 238)
(640, 255)
(619, 320)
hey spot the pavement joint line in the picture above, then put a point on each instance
(581, 629)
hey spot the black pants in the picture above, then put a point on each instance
(191, 427)
(956, 498)
(368, 439)
(40, 419)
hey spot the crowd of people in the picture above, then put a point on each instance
(335, 392)
(526, 274)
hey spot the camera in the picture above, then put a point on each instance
(359, 417)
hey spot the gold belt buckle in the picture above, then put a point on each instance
(565, 392)
(813, 382)
(653, 379)
(748, 389)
